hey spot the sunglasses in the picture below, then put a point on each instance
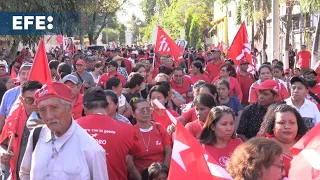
(28, 100)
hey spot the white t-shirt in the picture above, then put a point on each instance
(96, 80)
(308, 111)
(6, 64)
(121, 100)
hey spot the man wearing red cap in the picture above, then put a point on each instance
(116, 137)
(245, 80)
(63, 149)
(252, 116)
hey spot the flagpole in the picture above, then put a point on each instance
(10, 142)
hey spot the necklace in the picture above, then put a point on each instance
(147, 146)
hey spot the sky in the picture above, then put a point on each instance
(131, 7)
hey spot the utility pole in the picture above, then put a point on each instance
(275, 30)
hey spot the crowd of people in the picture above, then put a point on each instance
(100, 121)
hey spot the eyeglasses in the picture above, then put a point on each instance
(28, 100)
(281, 166)
(223, 70)
(144, 110)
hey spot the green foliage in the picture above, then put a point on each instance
(187, 27)
(194, 33)
(148, 9)
(309, 5)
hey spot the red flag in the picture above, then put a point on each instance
(165, 45)
(240, 47)
(306, 156)
(189, 159)
(40, 69)
(60, 40)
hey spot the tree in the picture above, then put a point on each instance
(194, 33)
(289, 9)
(187, 27)
(309, 6)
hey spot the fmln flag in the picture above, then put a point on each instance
(166, 46)
(240, 47)
(189, 160)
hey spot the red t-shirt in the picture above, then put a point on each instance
(315, 90)
(117, 138)
(128, 64)
(189, 115)
(222, 155)
(77, 107)
(195, 128)
(303, 59)
(234, 87)
(213, 69)
(159, 139)
(195, 78)
(164, 119)
(286, 162)
(245, 83)
(105, 77)
(184, 89)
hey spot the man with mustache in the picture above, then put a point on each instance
(63, 149)
(20, 141)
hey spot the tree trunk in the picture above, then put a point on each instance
(288, 31)
(91, 39)
(264, 41)
(13, 51)
(301, 25)
(315, 48)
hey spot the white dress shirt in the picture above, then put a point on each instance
(309, 112)
(74, 155)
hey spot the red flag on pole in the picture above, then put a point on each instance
(40, 69)
(306, 156)
(165, 45)
(240, 47)
(189, 159)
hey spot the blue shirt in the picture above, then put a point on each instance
(234, 104)
(8, 100)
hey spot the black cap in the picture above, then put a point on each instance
(216, 51)
(94, 94)
(113, 63)
(309, 71)
(299, 79)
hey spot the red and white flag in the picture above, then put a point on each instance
(240, 47)
(165, 45)
(189, 160)
(306, 156)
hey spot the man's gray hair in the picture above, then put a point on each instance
(66, 103)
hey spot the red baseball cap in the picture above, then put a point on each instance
(80, 62)
(268, 85)
(54, 89)
(244, 61)
(287, 71)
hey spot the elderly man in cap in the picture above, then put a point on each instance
(112, 72)
(83, 76)
(303, 59)
(11, 95)
(61, 149)
(213, 67)
(3, 71)
(307, 109)
(3, 61)
(73, 83)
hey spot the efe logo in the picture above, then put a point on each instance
(23, 22)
